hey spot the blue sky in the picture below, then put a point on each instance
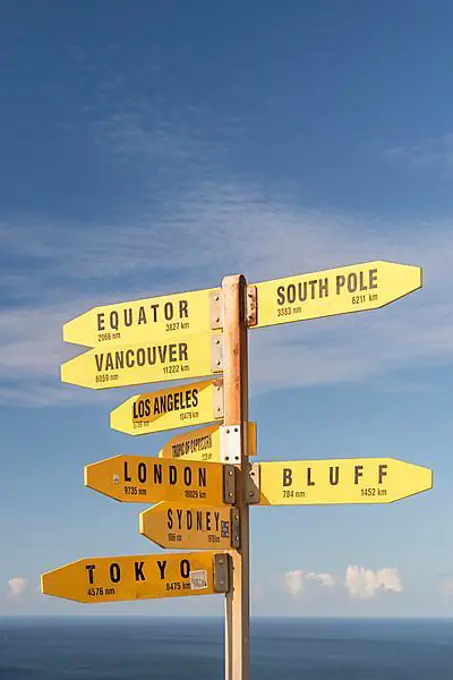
(160, 146)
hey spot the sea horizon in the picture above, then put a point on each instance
(204, 617)
(134, 647)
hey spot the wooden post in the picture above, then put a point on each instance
(235, 381)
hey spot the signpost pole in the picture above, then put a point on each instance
(235, 376)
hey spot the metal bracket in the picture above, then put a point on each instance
(235, 528)
(218, 398)
(216, 309)
(252, 305)
(253, 484)
(229, 478)
(217, 353)
(222, 572)
(251, 438)
(230, 443)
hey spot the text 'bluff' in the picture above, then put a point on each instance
(334, 475)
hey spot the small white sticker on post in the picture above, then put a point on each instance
(198, 579)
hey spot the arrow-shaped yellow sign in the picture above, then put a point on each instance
(353, 480)
(138, 479)
(188, 527)
(138, 577)
(355, 288)
(173, 407)
(138, 321)
(186, 356)
(204, 443)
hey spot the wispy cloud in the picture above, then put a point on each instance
(431, 152)
(363, 583)
(16, 586)
(191, 241)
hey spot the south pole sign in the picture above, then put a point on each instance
(332, 292)
(200, 482)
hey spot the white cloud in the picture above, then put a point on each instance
(365, 583)
(324, 579)
(296, 580)
(16, 586)
(210, 232)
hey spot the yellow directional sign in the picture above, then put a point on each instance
(354, 288)
(204, 443)
(170, 408)
(188, 356)
(137, 577)
(353, 480)
(139, 321)
(188, 527)
(136, 479)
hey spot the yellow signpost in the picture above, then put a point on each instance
(173, 407)
(204, 444)
(187, 356)
(354, 288)
(138, 479)
(351, 480)
(189, 527)
(138, 577)
(140, 321)
(202, 481)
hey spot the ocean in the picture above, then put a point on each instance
(125, 648)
